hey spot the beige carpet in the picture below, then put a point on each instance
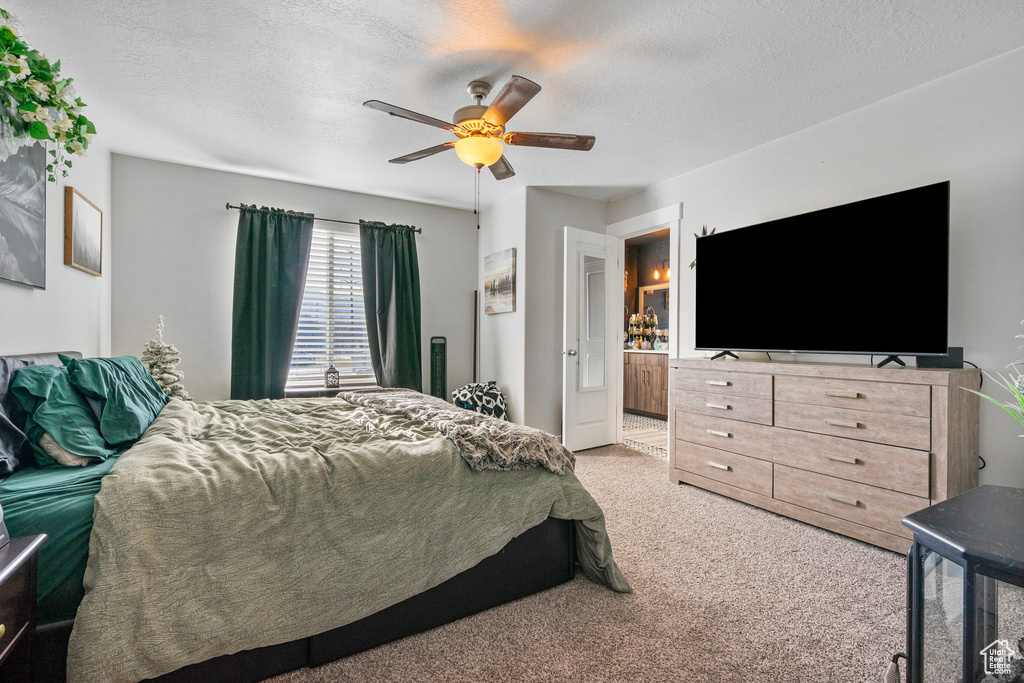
(722, 592)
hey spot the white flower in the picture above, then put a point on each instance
(17, 65)
(40, 114)
(67, 95)
(77, 148)
(13, 60)
(63, 124)
(40, 89)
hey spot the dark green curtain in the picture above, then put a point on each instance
(391, 295)
(271, 255)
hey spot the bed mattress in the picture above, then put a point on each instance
(57, 502)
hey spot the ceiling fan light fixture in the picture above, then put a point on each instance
(478, 150)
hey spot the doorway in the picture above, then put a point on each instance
(647, 311)
(650, 281)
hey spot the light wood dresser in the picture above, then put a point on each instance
(849, 448)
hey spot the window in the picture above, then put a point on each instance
(332, 323)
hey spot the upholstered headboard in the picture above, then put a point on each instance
(12, 417)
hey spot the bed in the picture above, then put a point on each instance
(464, 538)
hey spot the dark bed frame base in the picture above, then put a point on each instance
(538, 559)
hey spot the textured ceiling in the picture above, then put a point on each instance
(275, 87)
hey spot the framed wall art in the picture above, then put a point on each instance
(500, 282)
(83, 233)
(23, 216)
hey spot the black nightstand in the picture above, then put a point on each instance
(18, 562)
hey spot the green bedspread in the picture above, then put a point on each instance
(241, 524)
(57, 502)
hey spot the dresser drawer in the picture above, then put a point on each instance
(888, 428)
(723, 382)
(880, 397)
(867, 505)
(16, 596)
(728, 435)
(741, 471)
(889, 467)
(743, 408)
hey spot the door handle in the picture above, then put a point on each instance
(571, 352)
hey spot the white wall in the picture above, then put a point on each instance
(547, 214)
(968, 128)
(73, 312)
(176, 248)
(522, 351)
(503, 336)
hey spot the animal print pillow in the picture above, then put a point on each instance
(483, 397)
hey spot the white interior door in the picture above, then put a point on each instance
(592, 339)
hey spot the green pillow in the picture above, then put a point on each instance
(129, 397)
(55, 408)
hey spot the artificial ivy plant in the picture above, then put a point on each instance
(36, 104)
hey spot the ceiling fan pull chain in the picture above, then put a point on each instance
(476, 205)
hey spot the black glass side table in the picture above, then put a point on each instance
(965, 595)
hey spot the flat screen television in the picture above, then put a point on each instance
(871, 277)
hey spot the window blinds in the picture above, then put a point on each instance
(332, 322)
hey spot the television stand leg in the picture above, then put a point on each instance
(722, 354)
(891, 359)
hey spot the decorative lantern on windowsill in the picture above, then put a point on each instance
(332, 378)
(966, 589)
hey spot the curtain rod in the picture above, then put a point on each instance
(323, 220)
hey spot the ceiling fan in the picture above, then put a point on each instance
(481, 129)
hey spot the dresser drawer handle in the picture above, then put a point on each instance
(719, 406)
(717, 382)
(842, 394)
(3, 630)
(841, 458)
(720, 466)
(726, 435)
(842, 423)
(841, 499)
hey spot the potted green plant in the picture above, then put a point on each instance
(1012, 382)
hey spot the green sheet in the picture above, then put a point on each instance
(56, 502)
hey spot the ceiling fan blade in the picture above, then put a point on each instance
(422, 154)
(513, 97)
(582, 143)
(502, 169)
(407, 114)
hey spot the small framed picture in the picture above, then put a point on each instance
(500, 282)
(83, 233)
